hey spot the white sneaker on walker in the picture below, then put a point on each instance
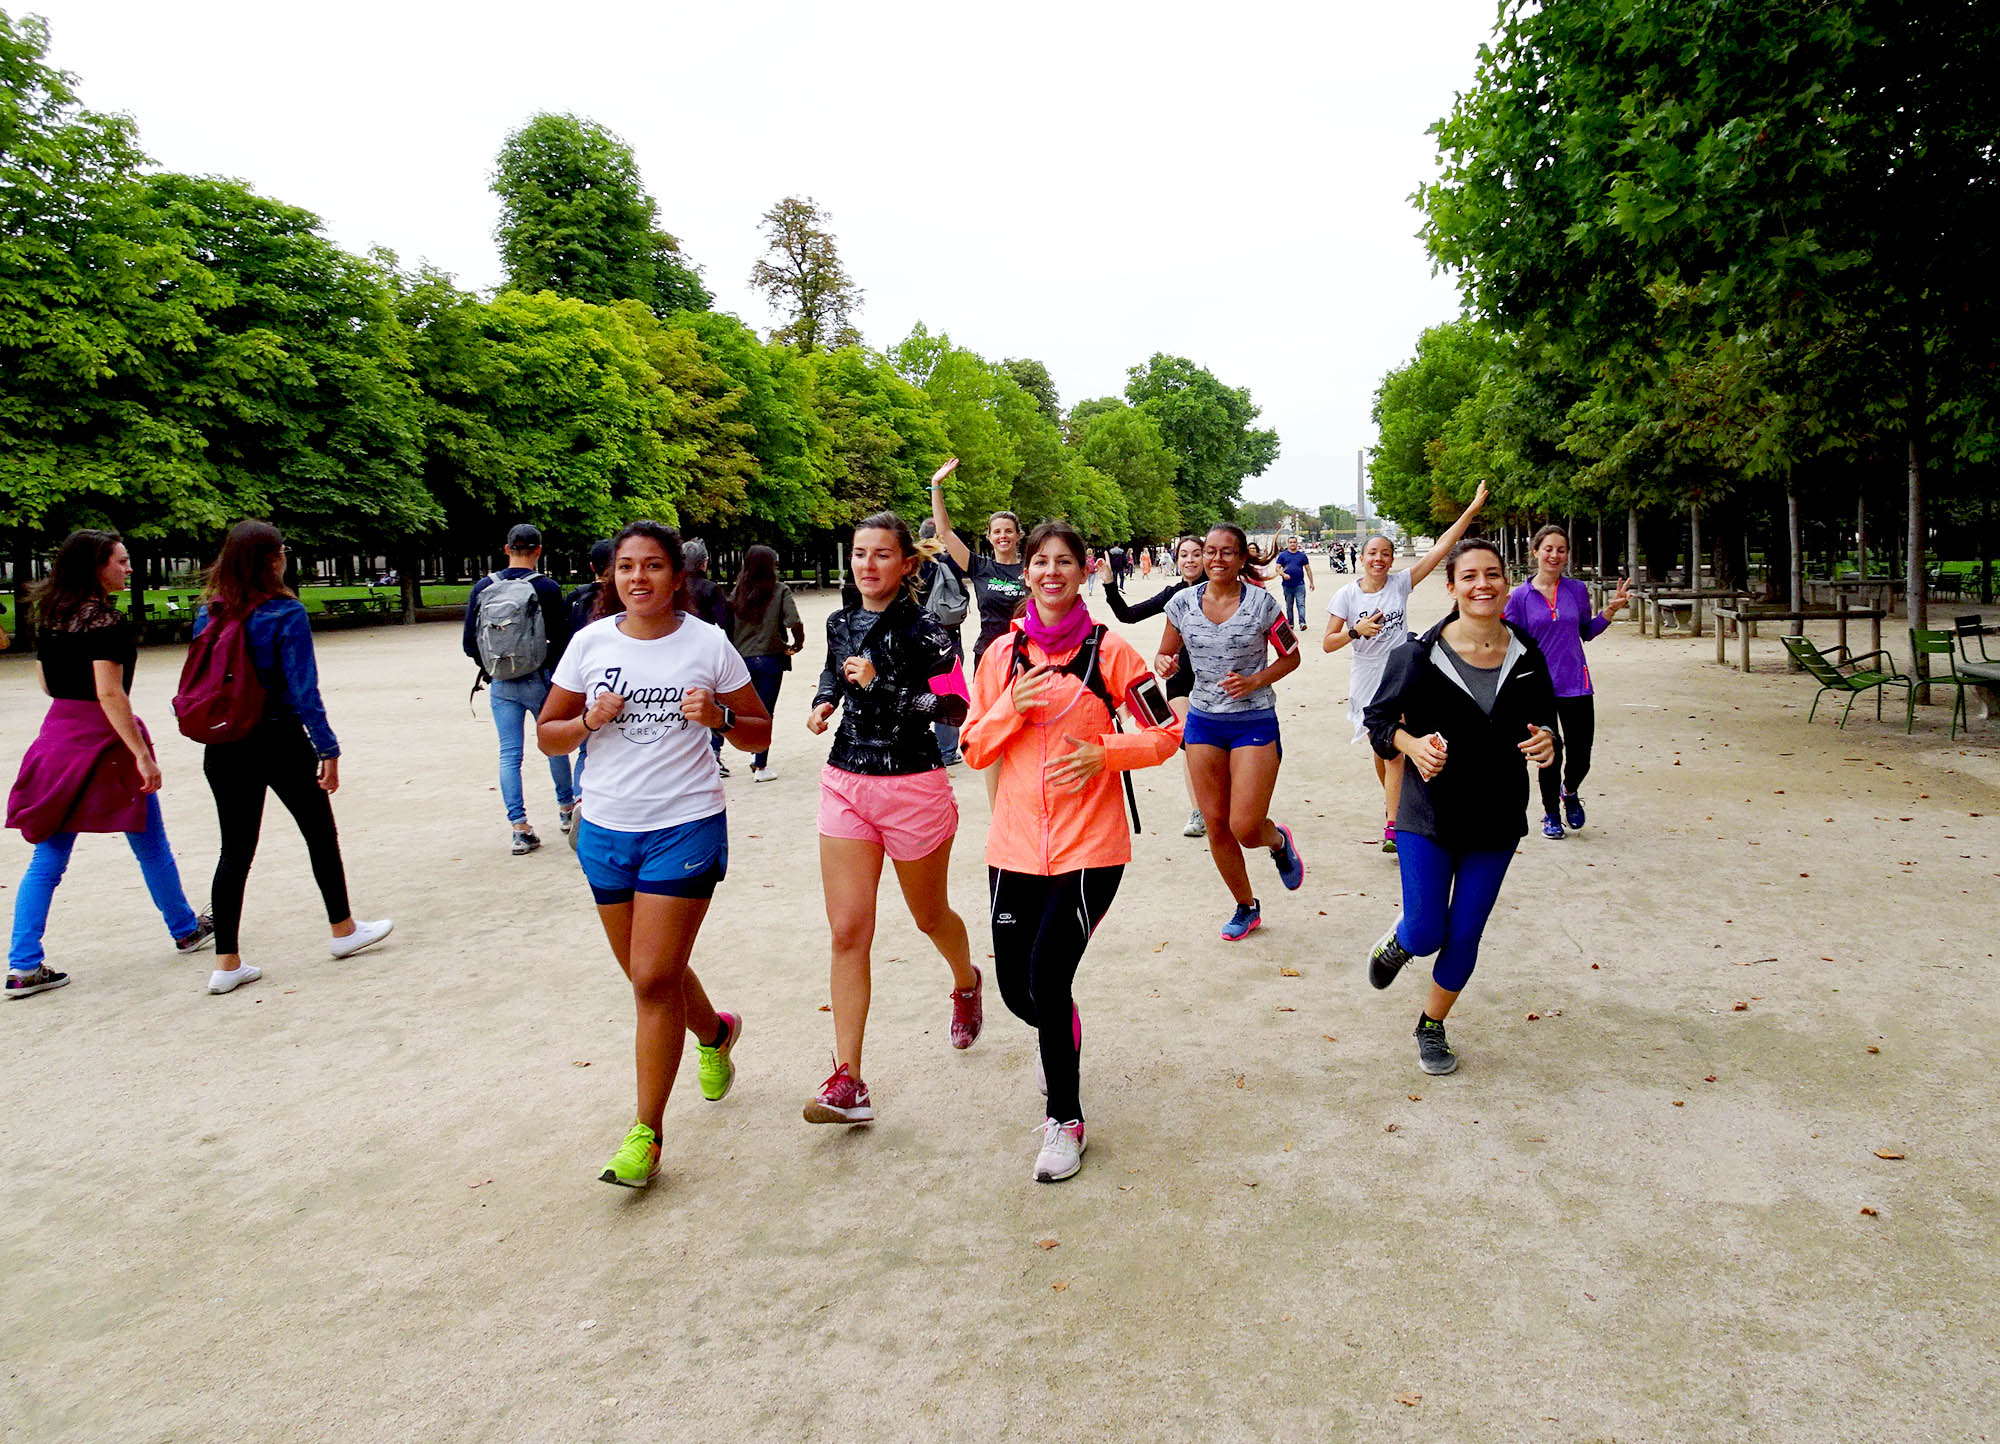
(228, 980)
(365, 935)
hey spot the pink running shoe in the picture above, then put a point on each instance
(843, 1098)
(968, 1012)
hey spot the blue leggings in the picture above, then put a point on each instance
(51, 861)
(1447, 897)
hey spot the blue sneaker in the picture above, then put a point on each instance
(1247, 918)
(1573, 811)
(1291, 867)
(1551, 828)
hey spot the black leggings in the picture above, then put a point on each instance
(1041, 925)
(1576, 726)
(276, 757)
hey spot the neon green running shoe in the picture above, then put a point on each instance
(715, 1070)
(637, 1161)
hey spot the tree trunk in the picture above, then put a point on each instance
(1632, 542)
(1796, 534)
(1597, 558)
(407, 565)
(1860, 530)
(1694, 548)
(1916, 595)
(135, 602)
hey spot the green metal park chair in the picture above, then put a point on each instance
(1957, 676)
(1849, 675)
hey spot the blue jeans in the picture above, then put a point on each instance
(767, 675)
(51, 860)
(515, 705)
(1447, 897)
(1295, 604)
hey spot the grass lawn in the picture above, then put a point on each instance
(435, 594)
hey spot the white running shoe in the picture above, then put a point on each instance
(220, 981)
(1062, 1150)
(365, 935)
(1196, 827)
(763, 774)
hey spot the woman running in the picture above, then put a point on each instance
(1231, 729)
(91, 768)
(891, 670)
(292, 752)
(1369, 615)
(647, 687)
(1465, 703)
(997, 588)
(1555, 611)
(1043, 718)
(1187, 556)
(768, 634)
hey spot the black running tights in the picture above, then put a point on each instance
(1041, 925)
(276, 758)
(1576, 727)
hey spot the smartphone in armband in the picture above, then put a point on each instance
(1283, 637)
(1148, 701)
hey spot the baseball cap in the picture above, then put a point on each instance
(524, 538)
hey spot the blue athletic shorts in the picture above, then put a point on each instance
(683, 861)
(1230, 730)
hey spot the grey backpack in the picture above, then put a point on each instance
(513, 640)
(947, 600)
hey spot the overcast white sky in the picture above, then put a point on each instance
(1083, 183)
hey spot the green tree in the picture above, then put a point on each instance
(1207, 426)
(576, 219)
(1124, 443)
(1413, 407)
(789, 494)
(884, 438)
(803, 280)
(1033, 377)
(704, 436)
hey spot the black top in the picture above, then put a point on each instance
(582, 603)
(1181, 684)
(997, 589)
(1478, 803)
(98, 633)
(885, 727)
(555, 613)
(711, 604)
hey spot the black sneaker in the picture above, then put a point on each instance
(1434, 1055)
(204, 929)
(41, 980)
(1386, 958)
(1573, 811)
(525, 841)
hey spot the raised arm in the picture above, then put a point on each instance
(957, 550)
(1454, 534)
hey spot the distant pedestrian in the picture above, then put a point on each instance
(710, 603)
(1298, 575)
(768, 635)
(516, 626)
(91, 768)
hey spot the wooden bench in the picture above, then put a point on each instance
(1746, 618)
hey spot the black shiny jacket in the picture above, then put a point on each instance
(885, 727)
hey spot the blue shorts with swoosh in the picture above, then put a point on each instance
(686, 860)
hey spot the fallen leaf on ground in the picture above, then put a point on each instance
(1288, 972)
(1868, 1212)
(1283, 1009)
(1045, 1243)
(1739, 1007)
(1709, 1079)
(826, 1007)
(1680, 1103)
(1410, 1400)
(1329, 1038)
(1416, 1097)
(579, 1062)
(1889, 1153)
(1534, 1017)
(1239, 1080)
(1059, 1287)
(1873, 1049)
(1161, 948)
(1390, 1127)
(478, 1183)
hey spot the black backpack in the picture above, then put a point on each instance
(1083, 666)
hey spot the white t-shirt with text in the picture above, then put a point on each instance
(650, 767)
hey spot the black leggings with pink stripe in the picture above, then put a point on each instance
(1041, 926)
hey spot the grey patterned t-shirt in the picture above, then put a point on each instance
(1238, 645)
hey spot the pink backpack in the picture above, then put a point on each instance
(221, 698)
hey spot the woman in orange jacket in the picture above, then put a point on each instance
(1043, 710)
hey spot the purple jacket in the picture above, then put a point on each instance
(1560, 631)
(78, 776)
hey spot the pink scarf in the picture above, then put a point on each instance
(1065, 635)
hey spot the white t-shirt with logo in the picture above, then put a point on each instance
(1370, 654)
(649, 766)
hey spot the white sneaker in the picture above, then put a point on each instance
(220, 981)
(1195, 826)
(763, 774)
(365, 935)
(1062, 1150)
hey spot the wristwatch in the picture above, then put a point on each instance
(728, 717)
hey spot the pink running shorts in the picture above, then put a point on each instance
(907, 817)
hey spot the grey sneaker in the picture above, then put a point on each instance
(1386, 958)
(1195, 826)
(525, 841)
(1434, 1055)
